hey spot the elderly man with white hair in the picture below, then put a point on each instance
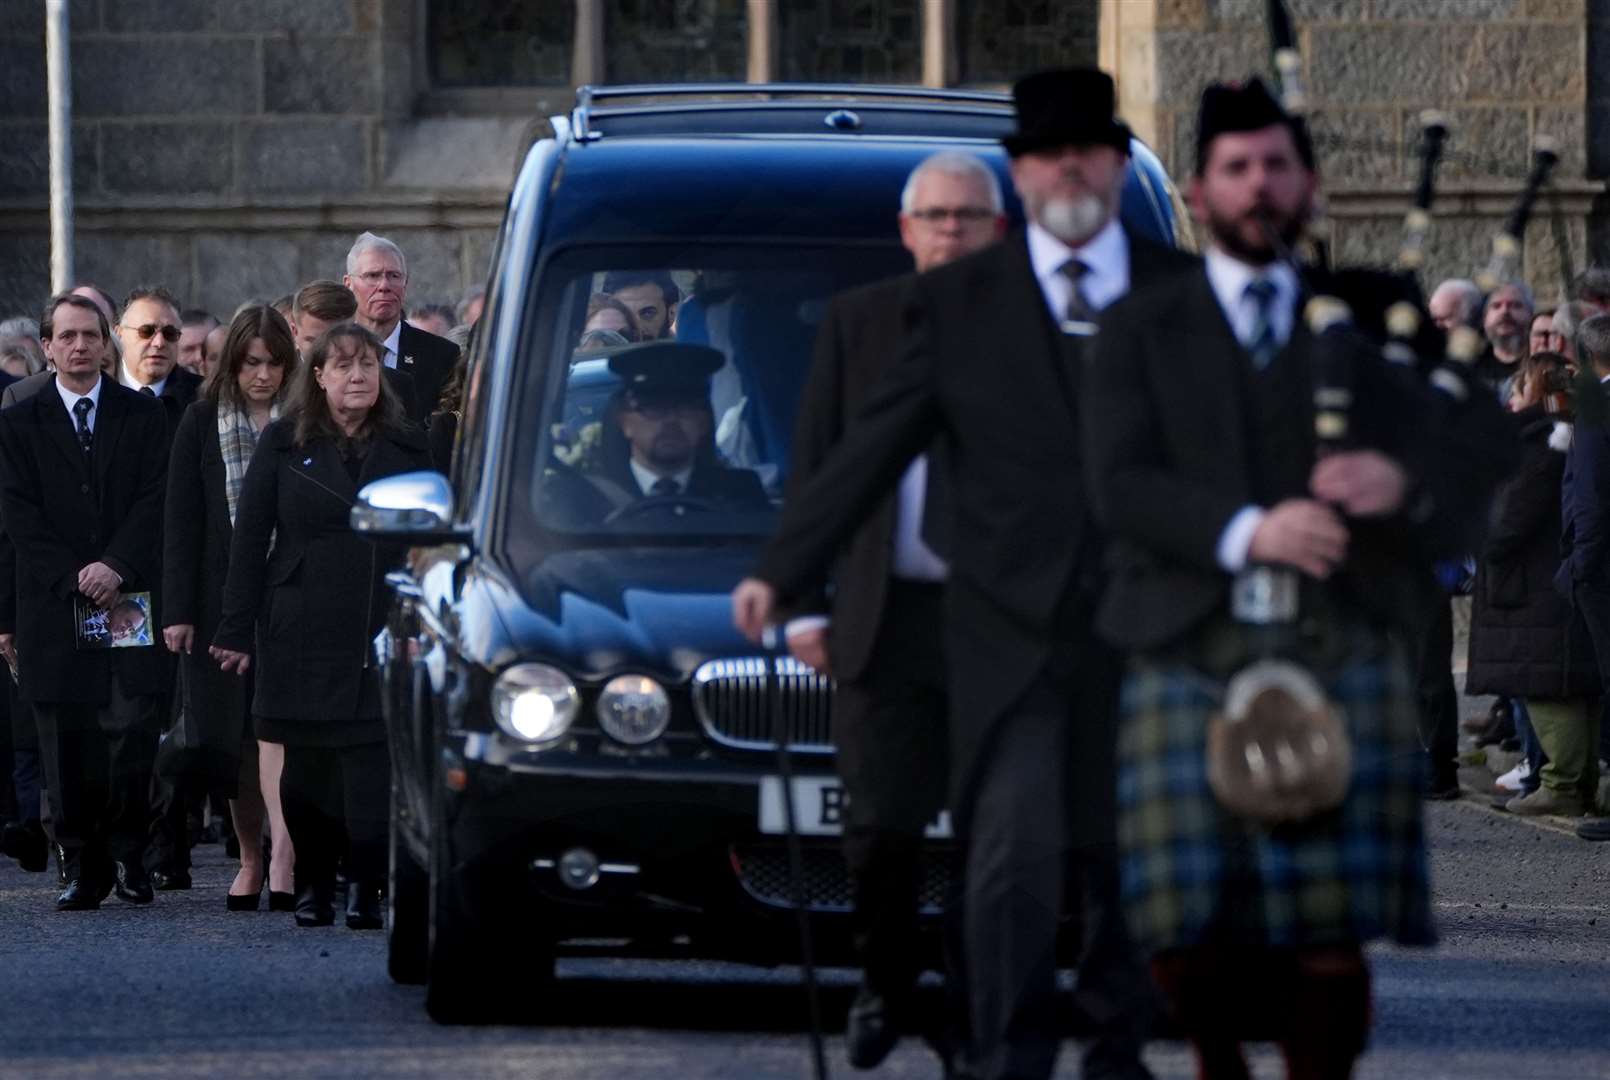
(1453, 303)
(377, 274)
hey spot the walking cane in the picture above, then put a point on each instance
(796, 852)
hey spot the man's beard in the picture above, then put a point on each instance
(1509, 344)
(1228, 235)
(1075, 220)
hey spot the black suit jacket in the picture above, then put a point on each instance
(428, 360)
(177, 394)
(1168, 461)
(857, 346)
(985, 372)
(309, 609)
(63, 512)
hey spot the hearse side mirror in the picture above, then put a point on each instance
(410, 506)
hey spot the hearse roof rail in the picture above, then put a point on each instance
(788, 109)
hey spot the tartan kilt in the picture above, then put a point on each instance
(1192, 873)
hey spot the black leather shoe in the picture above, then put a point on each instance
(249, 902)
(869, 1031)
(170, 880)
(281, 901)
(29, 846)
(1442, 788)
(79, 895)
(313, 907)
(363, 907)
(133, 886)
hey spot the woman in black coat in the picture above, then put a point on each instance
(1526, 641)
(211, 450)
(305, 596)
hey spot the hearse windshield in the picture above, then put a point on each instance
(667, 380)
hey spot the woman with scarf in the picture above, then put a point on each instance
(211, 450)
(303, 601)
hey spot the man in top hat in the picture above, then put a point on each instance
(989, 378)
(658, 440)
(1202, 462)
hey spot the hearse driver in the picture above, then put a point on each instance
(657, 440)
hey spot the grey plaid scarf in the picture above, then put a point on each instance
(236, 441)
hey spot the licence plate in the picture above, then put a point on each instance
(819, 805)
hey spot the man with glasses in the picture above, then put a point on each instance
(377, 274)
(880, 634)
(149, 331)
(82, 468)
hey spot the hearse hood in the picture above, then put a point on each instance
(661, 611)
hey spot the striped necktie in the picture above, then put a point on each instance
(1261, 342)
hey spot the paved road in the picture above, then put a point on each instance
(1519, 988)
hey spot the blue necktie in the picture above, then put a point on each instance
(1262, 343)
(81, 409)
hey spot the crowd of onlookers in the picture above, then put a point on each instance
(1539, 639)
(115, 760)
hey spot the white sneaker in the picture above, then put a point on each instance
(1515, 778)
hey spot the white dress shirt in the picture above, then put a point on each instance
(69, 399)
(127, 378)
(389, 354)
(646, 478)
(1106, 259)
(1229, 278)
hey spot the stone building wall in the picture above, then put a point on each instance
(233, 148)
(1504, 71)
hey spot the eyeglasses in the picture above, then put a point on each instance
(964, 215)
(372, 278)
(148, 331)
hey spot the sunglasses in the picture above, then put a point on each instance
(151, 330)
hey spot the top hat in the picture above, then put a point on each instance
(1065, 107)
(668, 368)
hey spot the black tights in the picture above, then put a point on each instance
(337, 800)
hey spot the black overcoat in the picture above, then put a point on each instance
(64, 510)
(858, 344)
(986, 375)
(309, 609)
(1526, 640)
(195, 561)
(428, 360)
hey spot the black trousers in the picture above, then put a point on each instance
(1024, 878)
(1434, 688)
(337, 801)
(98, 761)
(889, 730)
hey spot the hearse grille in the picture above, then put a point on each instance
(729, 698)
(763, 873)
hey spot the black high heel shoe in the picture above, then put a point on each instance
(281, 901)
(249, 902)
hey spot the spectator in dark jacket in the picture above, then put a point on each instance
(1585, 572)
(305, 596)
(1526, 641)
(211, 451)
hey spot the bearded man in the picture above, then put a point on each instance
(1204, 463)
(989, 379)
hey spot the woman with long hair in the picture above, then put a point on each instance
(305, 597)
(211, 449)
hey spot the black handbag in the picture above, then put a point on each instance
(181, 751)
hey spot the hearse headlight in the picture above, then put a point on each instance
(534, 702)
(633, 709)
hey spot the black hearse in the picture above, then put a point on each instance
(583, 747)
